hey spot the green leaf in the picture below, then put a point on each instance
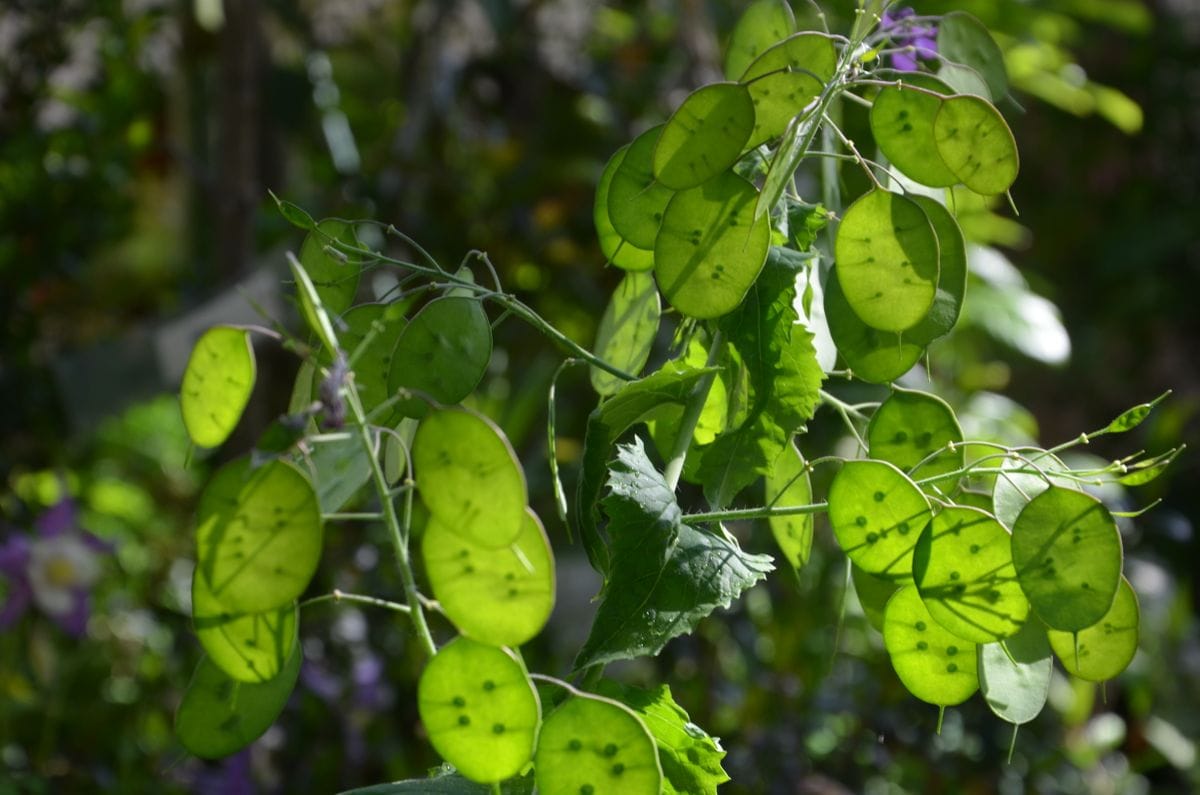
(258, 535)
(710, 248)
(1014, 674)
(690, 758)
(872, 355)
(480, 710)
(443, 351)
(934, 664)
(616, 249)
(595, 745)
(312, 309)
(446, 781)
(627, 330)
(909, 427)
(665, 576)
(217, 384)
(761, 25)
(335, 276)
(1014, 490)
(887, 260)
(1067, 552)
(785, 79)
(501, 597)
(952, 276)
(1105, 648)
(339, 469)
(636, 200)
(636, 401)
(962, 39)
(873, 594)
(902, 122)
(963, 569)
(1130, 419)
(877, 515)
(976, 144)
(374, 363)
(789, 484)
(247, 647)
(704, 136)
(220, 715)
(294, 214)
(469, 477)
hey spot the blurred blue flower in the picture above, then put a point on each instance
(55, 570)
(921, 38)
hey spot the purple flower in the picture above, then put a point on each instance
(54, 570)
(921, 38)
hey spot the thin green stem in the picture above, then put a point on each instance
(370, 516)
(342, 596)
(691, 415)
(849, 144)
(764, 512)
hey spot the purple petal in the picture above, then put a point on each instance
(926, 48)
(14, 555)
(904, 61)
(322, 683)
(58, 519)
(74, 622)
(19, 597)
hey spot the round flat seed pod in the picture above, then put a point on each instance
(373, 367)
(877, 514)
(963, 569)
(220, 715)
(258, 535)
(636, 200)
(976, 144)
(873, 594)
(469, 477)
(964, 41)
(952, 275)
(335, 278)
(1013, 490)
(217, 384)
(909, 427)
(789, 484)
(1067, 552)
(1107, 647)
(627, 330)
(872, 355)
(887, 260)
(785, 79)
(710, 248)
(596, 746)
(616, 249)
(501, 597)
(443, 351)
(763, 23)
(247, 647)
(902, 123)
(480, 710)
(704, 136)
(1014, 675)
(934, 664)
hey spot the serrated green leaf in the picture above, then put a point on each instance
(501, 597)
(443, 351)
(636, 200)
(616, 249)
(976, 144)
(785, 79)
(963, 569)
(469, 477)
(710, 248)
(627, 330)
(690, 758)
(877, 515)
(761, 25)
(334, 277)
(789, 484)
(934, 664)
(1067, 553)
(596, 745)
(258, 535)
(1014, 674)
(220, 715)
(1106, 647)
(664, 576)
(217, 384)
(480, 709)
(909, 427)
(902, 123)
(633, 404)
(964, 40)
(704, 136)
(887, 260)
(247, 647)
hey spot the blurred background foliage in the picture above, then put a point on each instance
(138, 139)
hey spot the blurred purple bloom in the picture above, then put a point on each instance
(922, 38)
(231, 777)
(55, 570)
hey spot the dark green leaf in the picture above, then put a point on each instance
(964, 40)
(293, 214)
(443, 351)
(627, 330)
(761, 25)
(334, 275)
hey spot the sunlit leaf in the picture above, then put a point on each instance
(217, 384)
(910, 427)
(1106, 647)
(976, 144)
(1131, 418)
(952, 275)
(873, 594)
(636, 200)
(247, 647)
(443, 351)
(627, 330)
(789, 484)
(785, 79)
(1014, 674)
(934, 664)
(877, 515)
(704, 136)
(616, 249)
(480, 709)
(761, 25)
(902, 123)
(872, 355)
(595, 745)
